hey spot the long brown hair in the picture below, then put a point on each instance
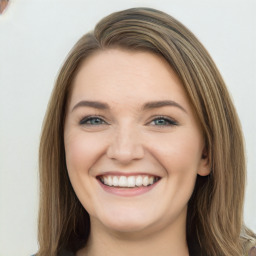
(215, 212)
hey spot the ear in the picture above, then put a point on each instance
(204, 168)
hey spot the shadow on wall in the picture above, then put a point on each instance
(3, 5)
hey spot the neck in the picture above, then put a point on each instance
(168, 241)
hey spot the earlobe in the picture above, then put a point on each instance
(204, 167)
(204, 171)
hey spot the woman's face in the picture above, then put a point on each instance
(133, 144)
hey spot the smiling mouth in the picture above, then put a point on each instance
(128, 181)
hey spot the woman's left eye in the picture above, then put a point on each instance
(163, 121)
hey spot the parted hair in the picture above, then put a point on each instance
(215, 210)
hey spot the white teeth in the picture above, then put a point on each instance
(128, 182)
(131, 182)
(105, 180)
(109, 181)
(138, 181)
(122, 181)
(115, 181)
(145, 181)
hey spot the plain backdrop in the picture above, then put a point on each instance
(35, 37)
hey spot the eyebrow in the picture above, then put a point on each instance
(92, 104)
(164, 103)
(146, 106)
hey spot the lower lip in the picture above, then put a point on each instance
(127, 191)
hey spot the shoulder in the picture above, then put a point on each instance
(66, 253)
(62, 253)
(252, 251)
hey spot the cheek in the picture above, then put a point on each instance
(81, 151)
(178, 153)
(180, 156)
(186, 155)
(75, 151)
(81, 154)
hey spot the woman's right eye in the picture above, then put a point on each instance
(92, 121)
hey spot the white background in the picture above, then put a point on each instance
(35, 37)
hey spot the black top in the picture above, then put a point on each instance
(193, 251)
(66, 253)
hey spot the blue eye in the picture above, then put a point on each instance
(92, 121)
(163, 121)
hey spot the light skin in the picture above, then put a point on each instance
(128, 114)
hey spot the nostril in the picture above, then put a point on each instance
(125, 153)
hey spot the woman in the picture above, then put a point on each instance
(141, 151)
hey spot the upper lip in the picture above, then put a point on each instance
(118, 173)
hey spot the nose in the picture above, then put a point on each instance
(125, 146)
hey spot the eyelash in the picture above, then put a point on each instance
(167, 121)
(87, 119)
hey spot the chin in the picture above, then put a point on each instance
(126, 222)
(127, 226)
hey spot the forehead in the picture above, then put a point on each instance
(121, 75)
